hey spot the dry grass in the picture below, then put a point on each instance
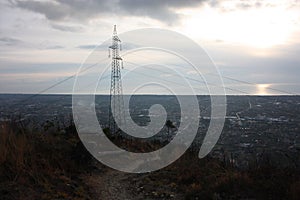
(47, 166)
(13, 147)
(207, 178)
(37, 165)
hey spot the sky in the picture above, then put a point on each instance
(43, 42)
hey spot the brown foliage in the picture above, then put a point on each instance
(38, 165)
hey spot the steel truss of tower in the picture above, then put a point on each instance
(116, 110)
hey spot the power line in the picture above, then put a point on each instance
(192, 79)
(249, 83)
(234, 79)
(58, 83)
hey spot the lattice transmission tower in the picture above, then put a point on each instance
(116, 91)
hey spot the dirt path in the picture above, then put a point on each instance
(109, 185)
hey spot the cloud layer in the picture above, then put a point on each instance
(60, 10)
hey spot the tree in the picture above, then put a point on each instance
(169, 125)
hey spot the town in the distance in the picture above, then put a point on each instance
(257, 128)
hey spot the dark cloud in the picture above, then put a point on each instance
(162, 10)
(9, 41)
(67, 28)
(54, 47)
(25, 67)
(60, 10)
(88, 46)
(247, 4)
(254, 4)
(125, 46)
(244, 5)
(52, 10)
(47, 45)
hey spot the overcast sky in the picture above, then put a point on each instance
(43, 42)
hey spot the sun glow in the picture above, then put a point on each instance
(259, 28)
(262, 89)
